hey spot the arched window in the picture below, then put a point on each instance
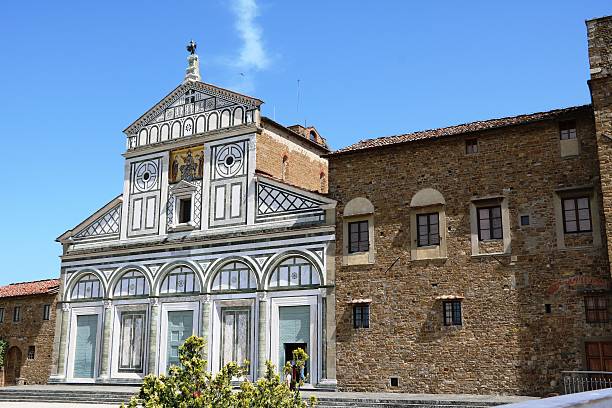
(285, 167)
(132, 283)
(200, 124)
(88, 287)
(142, 137)
(176, 130)
(294, 271)
(225, 118)
(180, 280)
(213, 119)
(154, 137)
(234, 276)
(312, 136)
(238, 116)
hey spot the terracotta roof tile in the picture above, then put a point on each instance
(47, 286)
(458, 129)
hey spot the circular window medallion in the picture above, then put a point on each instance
(229, 160)
(145, 176)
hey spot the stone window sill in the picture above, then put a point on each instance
(484, 255)
(181, 227)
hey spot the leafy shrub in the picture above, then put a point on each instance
(191, 386)
(3, 350)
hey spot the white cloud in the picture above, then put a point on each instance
(252, 53)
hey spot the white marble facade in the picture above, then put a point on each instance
(241, 259)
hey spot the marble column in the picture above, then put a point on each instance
(153, 335)
(205, 329)
(106, 341)
(262, 325)
(59, 349)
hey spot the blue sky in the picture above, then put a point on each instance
(74, 74)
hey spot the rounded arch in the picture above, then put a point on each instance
(358, 206)
(164, 133)
(154, 134)
(14, 361)
(226, 117)
(213, 121)
(221, 264)
(238, 116)
(176, 130)
(142, 137)
(200, 124)
(427, 196)
(83, 277)
(174, 266)
(285, 259)
(188, 127)
(121, 273)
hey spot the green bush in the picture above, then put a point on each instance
(191, 386)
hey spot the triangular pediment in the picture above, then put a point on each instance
(104, 222)
(192, 99)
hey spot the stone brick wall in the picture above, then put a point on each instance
(600, 59)
(507, 343)
(31, 330)
(303, 167)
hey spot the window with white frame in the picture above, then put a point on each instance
(131, 342)
(132, 283)
(88, 287)
(180, 280)
(576, 214)
(490, 223)
(184, 214)
(428, 229)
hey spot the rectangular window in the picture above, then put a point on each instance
(567, 130)
(596, 308)
(46, 312)
(1, 315)
(361, 316)
(489, 223)
(599, 355)
(359, 237)
(428, 229)
(184, 210)
(31, 352)
(235, 336)
(524, 220)
(131, 341)
(471, 146)
(16, 313)
(576, 214)
(452, 313)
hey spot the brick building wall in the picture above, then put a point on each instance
(296, 162)
(30, 330)
(523, 310)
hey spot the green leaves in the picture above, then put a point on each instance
(191, 386)
(3, 350)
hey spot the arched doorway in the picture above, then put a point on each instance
(13, 366)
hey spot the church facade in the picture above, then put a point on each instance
(222, 230)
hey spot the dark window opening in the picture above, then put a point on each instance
(577, 215)
(471, 146)
(548, 308)
(1, 315)
(524, 220)
(489, 223)
(312, 136)
(361, 316)
(452, 313)
(190, 96)
(31, 352)
(567, 130)
(428, 229)
(184, 210)
(359, 237)
(394, 381)
(46, 312)
(17, 314)
(596, 308)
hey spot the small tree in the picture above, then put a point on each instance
(191, 386)
(3, 349)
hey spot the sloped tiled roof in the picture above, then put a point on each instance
(47, 286)
(459, 129)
